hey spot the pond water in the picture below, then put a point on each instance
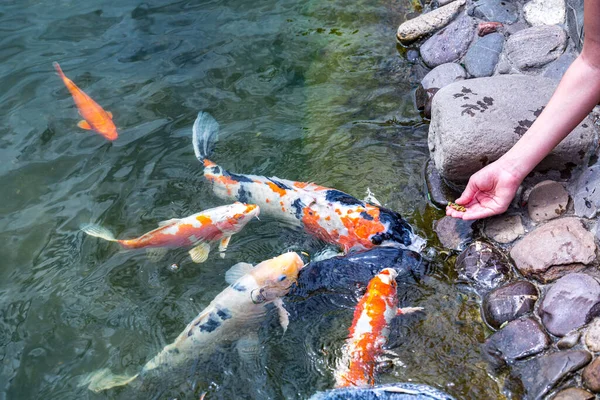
(304, 90)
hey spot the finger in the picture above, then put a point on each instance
(467, 195)
(453, 213)
(477, 214)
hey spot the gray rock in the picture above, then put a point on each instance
(569, 340)
(544, 12)
(573, 393)
(559, 242)
(475, 121)
(570, 303)
(505, 11)
(450, 43)
(443, 75)
(483, 265)
(482, 57)
(540, 374)
(575, 22)
(591, 376)
(427, 23)
(536, 46)
(586, 192)
(592, 336)
(444, 2)
(509, 302)
(504, 228)
(518, 339)
(547, 200)
(453, 233)
(556, 69)
(438, 191)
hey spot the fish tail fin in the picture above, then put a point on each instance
(205, 133)
(104, 379)
(98, 231)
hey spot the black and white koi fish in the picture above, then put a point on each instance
(329, 214)
(234, 314)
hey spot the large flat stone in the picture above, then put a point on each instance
(427, 23)
(474, 122)
(536, 46)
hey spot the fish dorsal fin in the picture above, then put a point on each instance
(168, 222)
(237, 271)
(84, 125)
(109, 114)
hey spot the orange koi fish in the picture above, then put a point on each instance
(370, 330)
(329, 214)
(94, 116)
(198, 230)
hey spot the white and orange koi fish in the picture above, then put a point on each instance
(370, 330)
(198, 230)
(329, 214)
(233, 315)
(94, 116)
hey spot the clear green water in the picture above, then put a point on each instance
(304, 90)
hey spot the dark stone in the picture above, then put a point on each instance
(591, 376)
(483, 265)
(539, 375)
(504, 11)
(412, 55)
(571, 302)
(482, 57)
(453, 233)
(573, 393)
(423, 99)
(438, 191)
(518, 339)
(450, 43)
(568, 341)
(556, 69)
(509, 302)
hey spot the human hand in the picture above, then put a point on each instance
(489, 192)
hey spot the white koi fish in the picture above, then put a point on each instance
(328, 214)
(233, 315)
(198, 230)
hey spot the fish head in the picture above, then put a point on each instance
(275, 276)
(237, 215)
(388, 276)
(397, 232)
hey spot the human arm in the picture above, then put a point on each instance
(491, 189)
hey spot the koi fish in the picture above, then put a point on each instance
(329, 214)
(370, 330)
(233, 315)
(198, 230)
(94, 116)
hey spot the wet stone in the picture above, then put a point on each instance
(518, 339)
(504, 11)
(509, 302)
(438, 191)
(591, 376)
(443, 75)
(482, 57)
(453, 233)
(536, 46)
(573, 393)
(559, 243)
(483, 265)
(448, 44)
(569, 340)
(427, 23)
(547, 200)
(592, 336)
(504, 228)
(571, 302)
(544, 12)
(541, 374)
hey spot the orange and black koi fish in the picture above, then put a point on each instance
(198, 230)
(94, 116)
(329, 214)
(370, 330)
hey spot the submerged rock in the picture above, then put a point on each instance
(438, 191)
(453, 233)
(571, 302)
(427, 23)
(394, 391)
(450, 43)
(483, 265)
(547, 200)
(476, 121)
(509, 302)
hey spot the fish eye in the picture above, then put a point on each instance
(282, 278)
(376, 240)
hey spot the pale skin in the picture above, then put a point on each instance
(490, 190)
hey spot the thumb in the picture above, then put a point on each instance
(468, 194)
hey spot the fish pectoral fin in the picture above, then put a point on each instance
(83, 124)
(237, 271)
(199, 254)
(223, 245)
(284, 316)
(168, 222)
(104, 379)
(408, 310)
(155, 254)
(109, 114)
(248, 348)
